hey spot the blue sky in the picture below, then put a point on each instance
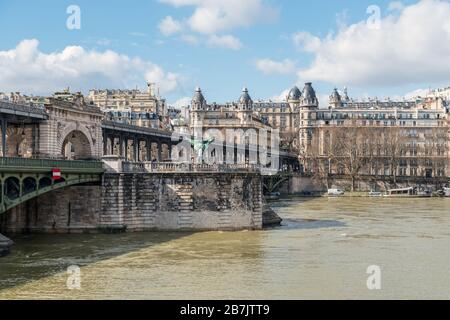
(255, 46)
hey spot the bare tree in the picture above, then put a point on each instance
(290, 141)
(351, 150)
(395, 140)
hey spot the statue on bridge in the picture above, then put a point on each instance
(200, 146)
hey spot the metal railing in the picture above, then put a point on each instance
(120, 126)
(50, 163)
(37, 109)
(151, 167)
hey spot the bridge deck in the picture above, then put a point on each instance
(128, 128)
(23, 111)
(40, 165)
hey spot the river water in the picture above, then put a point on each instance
(322, 251)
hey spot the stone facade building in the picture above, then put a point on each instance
(145, 109)
(236, 125)
(72, 129)
(374, 137)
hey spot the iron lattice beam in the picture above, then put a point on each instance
(24, 179)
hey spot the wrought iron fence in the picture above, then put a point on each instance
(141, 167)
(49, 163)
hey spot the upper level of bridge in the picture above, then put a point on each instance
(120, 127)
(22, 112)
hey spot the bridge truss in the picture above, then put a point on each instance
(22, 179)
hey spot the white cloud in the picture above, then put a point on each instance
(169, 26)
(189, 38)
(412, 46)
(306, 42)
(182, 102)
(225, 41)
(396, 5)
(27, 69)
(281, 97)
(214, 16)
(138, 34)
(417, 93)
(269, 66)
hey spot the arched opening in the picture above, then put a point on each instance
(12, 188)
(29, 185)
(45, 182)
(61, 180)
(76, 146)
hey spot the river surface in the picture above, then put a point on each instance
(322, 251)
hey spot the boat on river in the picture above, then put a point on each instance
(402, 192)
(446, 192)
(335, 192)
(408, 192)
(273, 196)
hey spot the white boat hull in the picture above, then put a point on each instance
(447, 192)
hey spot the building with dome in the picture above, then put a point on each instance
(250, 131)
(406, 138)
(283, 116)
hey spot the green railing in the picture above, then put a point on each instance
(50, 163)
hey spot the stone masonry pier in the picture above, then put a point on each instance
(146, 196)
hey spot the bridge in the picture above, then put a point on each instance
(144, 190)
(24, 179)
(147, 144)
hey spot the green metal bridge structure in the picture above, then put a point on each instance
(22, 179)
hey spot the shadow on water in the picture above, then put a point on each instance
(305, 224)
(286, 201)
(37, 256)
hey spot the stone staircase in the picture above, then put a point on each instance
(185, 206)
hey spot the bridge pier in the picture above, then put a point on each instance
(5, 245)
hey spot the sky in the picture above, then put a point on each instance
(374, 48)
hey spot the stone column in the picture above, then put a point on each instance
(135, 149)
(159, 151)
(120, 146)
(148, 148)
(169, 149)
(125, 154)
(105, 143)
(113, 140)
(4, 125)
(34, 139)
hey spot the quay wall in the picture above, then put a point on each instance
(298, 184)
(182, 201)
(144, 201)
(74, 209)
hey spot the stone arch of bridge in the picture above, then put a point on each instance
(76, 144)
